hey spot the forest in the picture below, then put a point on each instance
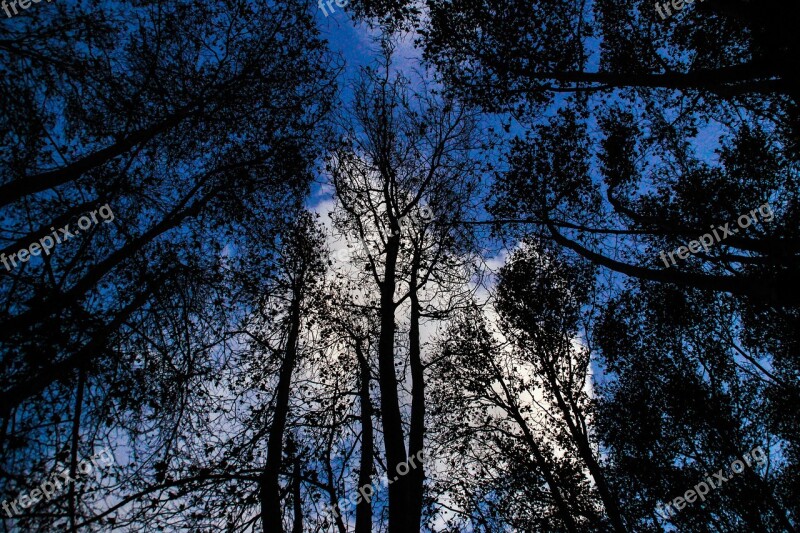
(399, 266)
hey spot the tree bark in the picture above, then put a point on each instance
(20, 188)
(297, 523)
(581, 439)
(270, 490)
(393, 439)
(416, 476)
(364, 507)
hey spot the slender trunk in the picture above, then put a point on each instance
(20, 188)
(393, 439)
(270, 483)
(547, 474)
(542, 464)
(364, 507)
(297, 524)
(39, 381)
(581, 440)
(73, 463)
(416, 476)
(332, 498)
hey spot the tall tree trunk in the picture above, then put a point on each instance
(297, 523)
(547, 474)
(538, 456)
(416, 476)
(270, 485)
(393, 439)
(581, 439)
(336, 516)
(73, 463)
(364, 507)
(22, 187)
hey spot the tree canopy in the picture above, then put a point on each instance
(540, 276)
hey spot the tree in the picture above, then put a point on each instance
(525, 389)
(719, 69)
(159, 178)
(539, 299)
(301, 267)
(511, 53)
(401, 162)
(687, 398)
(503, 471)
(195, 126)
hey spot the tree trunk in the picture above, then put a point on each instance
(336, 516)
(364, 507)
(416, 476)
(393, 439)
(73, 463)
(581, 440)
(20, 188)
(270, 484)
(297, 523)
